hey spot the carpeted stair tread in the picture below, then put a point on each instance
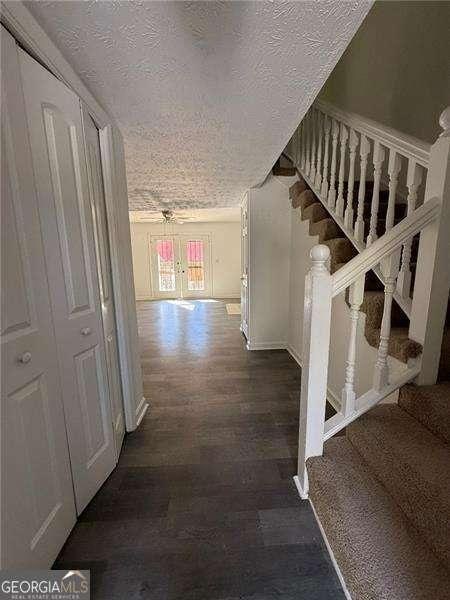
(413, 465)
(444, 363)
(341, 251)
(400, 346)
(373, 305)
(430, 405)
(326, 229)
(314, 212)
(297, 188)
(278, 171)
(380, 555)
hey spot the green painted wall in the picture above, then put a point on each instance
(396, 69)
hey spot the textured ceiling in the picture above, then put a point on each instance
(206, 94)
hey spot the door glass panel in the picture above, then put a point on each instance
(195, 266)
(166, 265)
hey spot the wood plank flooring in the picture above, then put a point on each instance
(202, 505)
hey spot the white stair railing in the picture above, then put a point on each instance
(341, 156)
(430, 221)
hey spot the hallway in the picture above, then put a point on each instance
(202, 504)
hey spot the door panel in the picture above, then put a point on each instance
(62, 145)
(101, 234)
(57, 144)
(165, 266)
(196, 265)
(37, 494)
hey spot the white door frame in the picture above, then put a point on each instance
(26, 30)
(181, 290)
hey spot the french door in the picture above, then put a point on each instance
(180, 266)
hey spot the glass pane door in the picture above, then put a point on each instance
(195, 261)
(165, 266)
(195, 266)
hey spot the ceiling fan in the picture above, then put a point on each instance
(168, 216)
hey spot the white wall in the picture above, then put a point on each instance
(269, 224)
(225, 255)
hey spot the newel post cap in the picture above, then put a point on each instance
(444, 122)
(319, 255)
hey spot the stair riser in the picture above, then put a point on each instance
(422, 502)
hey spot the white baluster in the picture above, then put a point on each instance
(378, 158)
(316, 343)
(308, 142)
(312, 173)
(348, 396)
(298, 146)
(389, 269)
(343, 150)
(327, 127)
(394, 167)
(318, 180)
(353, 144)
(294, 147)
(413, 180)
(364, 151)
(334, 143)
(303, 159)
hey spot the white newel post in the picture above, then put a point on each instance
(316, 342)
(431, 289)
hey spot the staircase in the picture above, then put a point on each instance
(381, 491)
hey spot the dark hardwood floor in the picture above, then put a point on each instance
(202, 505)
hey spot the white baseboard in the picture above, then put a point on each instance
(332, 398)
(236, 296)
(266, 345)
(295, 355)
(141, 410)
(331, 553)
(301, 492)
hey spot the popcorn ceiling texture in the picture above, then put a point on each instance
(206, 94)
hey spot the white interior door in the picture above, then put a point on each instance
(98, 207)
(38, 509)
(244, 269)
(195, 252)
(165, 266)
(56, 135)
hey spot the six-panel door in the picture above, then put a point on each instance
(38, 509)
(56, 136)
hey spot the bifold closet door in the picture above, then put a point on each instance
(56, 136)
(98, 206)
(38, 508)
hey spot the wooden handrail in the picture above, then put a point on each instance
(406, 145)
(385, 245)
